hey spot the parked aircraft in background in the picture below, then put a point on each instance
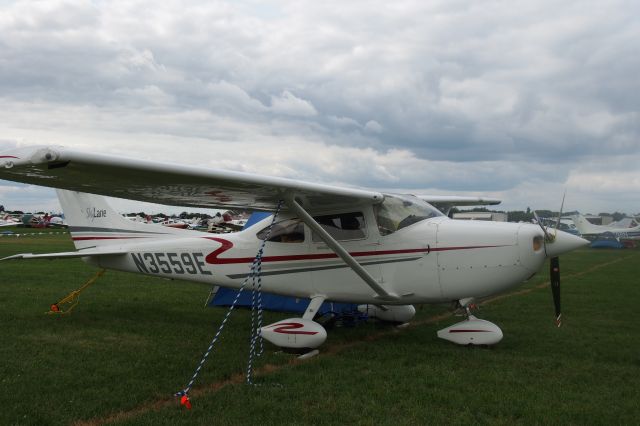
(8, 220)
(591, 231)
(627, 222)
(565, 224)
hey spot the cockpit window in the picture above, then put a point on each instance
(399, 211)
(286, 231)
(342, 226)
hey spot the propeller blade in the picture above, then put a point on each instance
(535, 215)
(554, 274)
(560, 214)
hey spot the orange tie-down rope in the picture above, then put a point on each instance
(73, 298)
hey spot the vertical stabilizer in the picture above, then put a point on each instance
(585, 227)
(93, 222)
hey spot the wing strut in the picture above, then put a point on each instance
(340, 251)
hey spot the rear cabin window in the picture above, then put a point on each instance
(342, 226)
(286, 231)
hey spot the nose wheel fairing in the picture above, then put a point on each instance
(471, 331)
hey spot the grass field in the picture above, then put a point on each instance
(133, 341)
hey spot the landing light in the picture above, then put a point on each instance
(538, 242)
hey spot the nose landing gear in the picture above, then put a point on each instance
(471, 331)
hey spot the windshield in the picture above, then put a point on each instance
(399, 211)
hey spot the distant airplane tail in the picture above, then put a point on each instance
(93, 222)
(584, 226)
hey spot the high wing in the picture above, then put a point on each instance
(168, 183)
(445, 202)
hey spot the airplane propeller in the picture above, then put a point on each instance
(554, 274)
(554, 261)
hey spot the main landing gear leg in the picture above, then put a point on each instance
(298, 335)
(472, 331)
(313, 307)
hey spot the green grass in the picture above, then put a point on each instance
(133, 341)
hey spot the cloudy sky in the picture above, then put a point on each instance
(512, 99)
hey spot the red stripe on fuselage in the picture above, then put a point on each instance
(213, 259)
(8, 156)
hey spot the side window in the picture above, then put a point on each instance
(343, 226)
(286, 231)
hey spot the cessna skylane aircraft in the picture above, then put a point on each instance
(327, 243)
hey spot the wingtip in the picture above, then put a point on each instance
(32, 154)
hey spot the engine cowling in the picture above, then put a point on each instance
(295, 333)
(400, 314)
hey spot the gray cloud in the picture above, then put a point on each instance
(457, 96)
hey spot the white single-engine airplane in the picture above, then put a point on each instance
(591, 231)
(327, 244)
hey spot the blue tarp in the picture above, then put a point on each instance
(607, 240)
(613, 244)
(272, 302)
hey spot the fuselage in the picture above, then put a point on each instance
(432, 260)
(399, 249)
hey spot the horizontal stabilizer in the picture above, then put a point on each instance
(66, 255)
